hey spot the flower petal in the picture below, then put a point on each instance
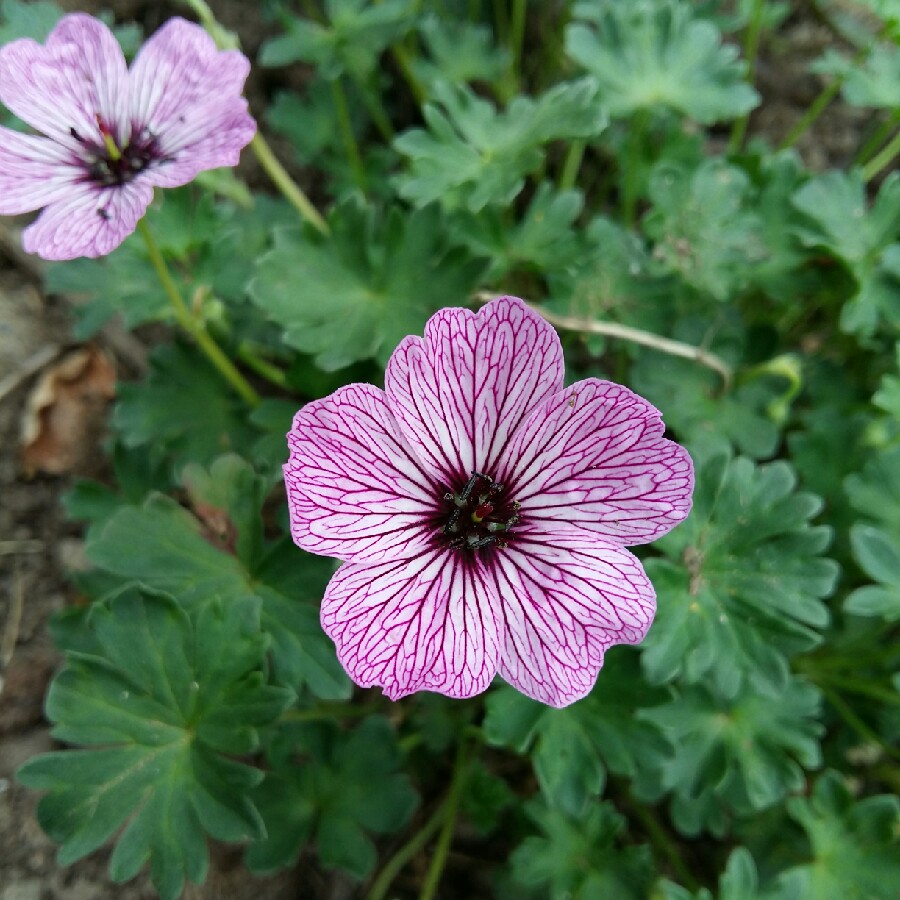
(593, 454)
(424, 624)
(89, 222)
(78, 74)
(460, 392)
(355, 488)
(34, 171)
(188, 93)
(564, 603)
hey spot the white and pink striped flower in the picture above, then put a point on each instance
(112, 134)
(482, 511)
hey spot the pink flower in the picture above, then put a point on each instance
(112, 134)
(482, 511)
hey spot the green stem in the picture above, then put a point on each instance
(751, 50)
(882, 159)
(855, 686)
(856, 723)
(634, 148)
(517, 36)
(407, 852)
(248, 355)
(404, 63)
(571, 165)
(880, 135)
(660, 839)
(288, 187)
(813, 113)
(377, 112)
(350, 146)
(442, 849)
(191, 324)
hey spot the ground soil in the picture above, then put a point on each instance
(37, 544)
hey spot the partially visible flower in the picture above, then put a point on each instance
(482, 511)
(112, 134)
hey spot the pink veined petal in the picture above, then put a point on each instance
(208, 140)
(593, 454)
(355, 488)
(34, 172)
(78, 74)
(89, 222)
(461, 391)
(188, 93)
(423, 624)
(565, 600)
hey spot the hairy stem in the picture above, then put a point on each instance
(407, 852)
(635, 336)
(571, 165)
(751, 50)
(288, 187)
(882, 159)
(248, 355)
(192, 324)
(350, 146)
(441, 851)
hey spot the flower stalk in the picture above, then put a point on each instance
(193, 325)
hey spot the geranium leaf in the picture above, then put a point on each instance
(854, 843)
(571, 748)
(875, 492)
(878, 554)
(739, 881)
(581, 856)
(357, 294)
(743, 582)
(701, 226)
(544, 239)
(163, 546)
(183, 412)
(472, 156)
(736, 756)
(873, 82)
(165, 704)
(865, 239)
(655, 53)
(348, 787)
(351, 40)
(460, 52)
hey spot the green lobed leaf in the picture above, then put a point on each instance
(654, 53)
(739, 881)
(183, 412)
(571, 748)
(581, 856)
(347, 787)
(543, 240)
(734, 757)
(472, 156)
(878, 554)
(166, 704)
(865, 239)
(743, 579)
(359, 293)
(874, 81)
(875, 492)
(459, 52)
(164, 547)
(702, 228)
(351, 40)
(854, 843)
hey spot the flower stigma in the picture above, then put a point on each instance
(480, 515)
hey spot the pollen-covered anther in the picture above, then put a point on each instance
(479, 513)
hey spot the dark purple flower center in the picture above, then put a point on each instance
(108, 164)
(479, 515)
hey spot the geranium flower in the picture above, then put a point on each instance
(112, 134)
(482, 511)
